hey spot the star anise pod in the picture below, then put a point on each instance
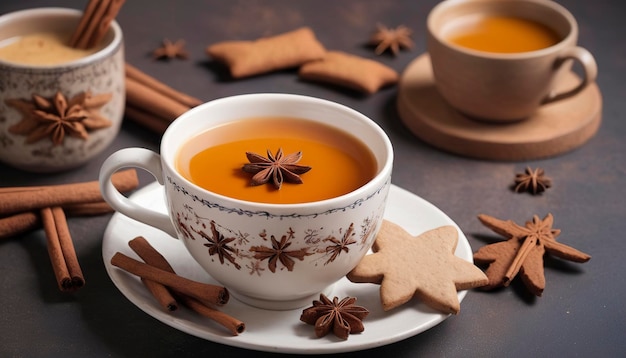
(276, 168)
(342, 317)
(391, 39)
(533, 181)
(171, 50)
(279, 252)
(58, 117)
(523, 252)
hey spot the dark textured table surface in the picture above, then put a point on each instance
(581, 312)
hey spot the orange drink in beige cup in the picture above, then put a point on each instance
(276, 196)
(501, 60)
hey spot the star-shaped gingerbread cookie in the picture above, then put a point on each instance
(423, 266)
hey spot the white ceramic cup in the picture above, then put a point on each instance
(335, 233)
(100, 74)
(504, 87)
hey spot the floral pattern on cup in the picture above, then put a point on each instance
(44, 155)
(282, 250)
(239, 211)
(59, 117)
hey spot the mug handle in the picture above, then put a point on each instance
(590, 71)
(139, 158)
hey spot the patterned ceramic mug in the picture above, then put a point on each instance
(56, 116)
(275, 256)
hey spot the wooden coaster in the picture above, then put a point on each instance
(555, 129)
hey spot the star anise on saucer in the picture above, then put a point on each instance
(342, 317)
(391, 39)
(57, 117)
(279, 252)
(277, 168)
(171, 50)
(522, 252)
(533, 181)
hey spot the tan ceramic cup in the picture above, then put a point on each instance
(101, 74)
(504, 87)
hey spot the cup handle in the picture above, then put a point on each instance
(590, 71)
(139, 158)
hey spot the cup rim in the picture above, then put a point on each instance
(561, 10)
(374, 184)
(23, 15)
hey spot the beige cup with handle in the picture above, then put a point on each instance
(504, 87)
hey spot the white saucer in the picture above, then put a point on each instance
(279, 331)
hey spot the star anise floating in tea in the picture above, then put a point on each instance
(523, 252)
(171, 50)
(275, 168)
(58, 117)
(533, 181)
(341, 317)
(391, 39)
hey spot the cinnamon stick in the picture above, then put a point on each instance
(234, 325)
(85, 20)
(19, 199)
(148, 120)
(202, 291)
(151, 256)
(94, 19)
(95, 22)
(88, 209)
(20, 223)
(134, 73)
(61, 250)
(154, 258)
(148, 99)
(105, 22)
(529, 242)
(67, 246)
(162, 294)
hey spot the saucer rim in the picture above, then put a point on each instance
(197, 326)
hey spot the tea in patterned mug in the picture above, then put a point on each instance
(41, 76)
(273, 254)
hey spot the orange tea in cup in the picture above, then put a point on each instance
(340, 162)
(502, 60)
(501, 34)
